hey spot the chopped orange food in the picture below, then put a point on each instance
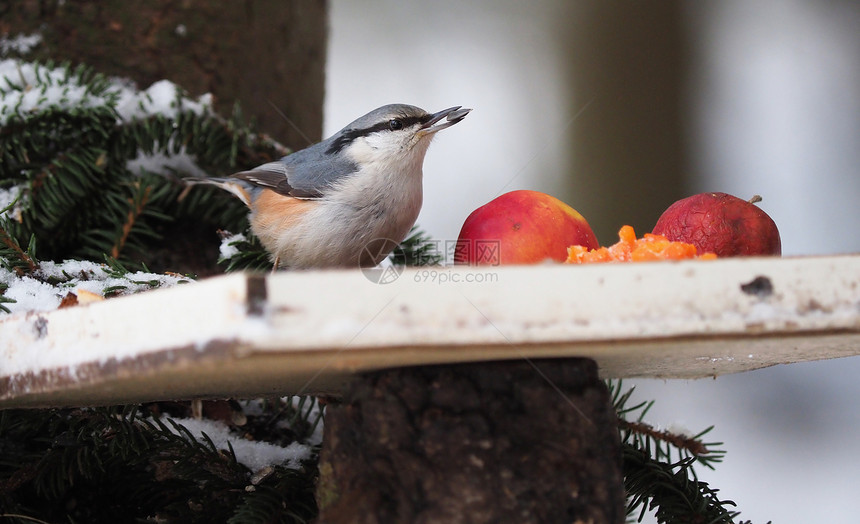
(629, 249)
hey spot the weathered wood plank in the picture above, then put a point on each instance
(306, 332)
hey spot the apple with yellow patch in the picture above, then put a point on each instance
(522, 227)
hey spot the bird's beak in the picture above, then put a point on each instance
(454, 114)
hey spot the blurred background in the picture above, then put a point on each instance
(619, 109)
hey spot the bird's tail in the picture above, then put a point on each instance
(236, 187)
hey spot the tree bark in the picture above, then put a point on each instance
(487, 442)
(627, 73)
(268, 55)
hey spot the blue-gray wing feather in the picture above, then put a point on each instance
(308, 173)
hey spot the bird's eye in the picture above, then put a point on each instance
(395, 124)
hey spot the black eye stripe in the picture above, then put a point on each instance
(347, 137)
(408, 121)
(412, 120)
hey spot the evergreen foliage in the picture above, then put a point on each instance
(122, 464)
(249, 254)
(88, 177)
(659, 472)
(418, 249)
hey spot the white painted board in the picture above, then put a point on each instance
(306, 332)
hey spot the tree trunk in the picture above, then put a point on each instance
(627, 73)
(492, 442)
(269, 55)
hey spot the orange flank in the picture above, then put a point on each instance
(630, 249)
(274, 214)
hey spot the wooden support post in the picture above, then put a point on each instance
(515, 441)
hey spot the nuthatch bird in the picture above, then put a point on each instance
(349, 200)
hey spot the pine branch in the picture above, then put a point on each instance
(137, 203)
(671, 491)
(243, 252)
(12, 256)
(290, 499)
(417, 249)
(688, 444)
(72, 156)
(125, 463)
(658, 467)
(5, 300)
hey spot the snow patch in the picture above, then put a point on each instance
(677, 428)
(28, 293)
(161, 98)
(254, 455)
(29, 88)
(21, 44)
(26, 88)
(33, 293)
(228, 250)
(163, 164)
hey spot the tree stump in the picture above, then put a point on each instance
(513, 441)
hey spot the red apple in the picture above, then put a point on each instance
(722, 224)
(522, 227)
